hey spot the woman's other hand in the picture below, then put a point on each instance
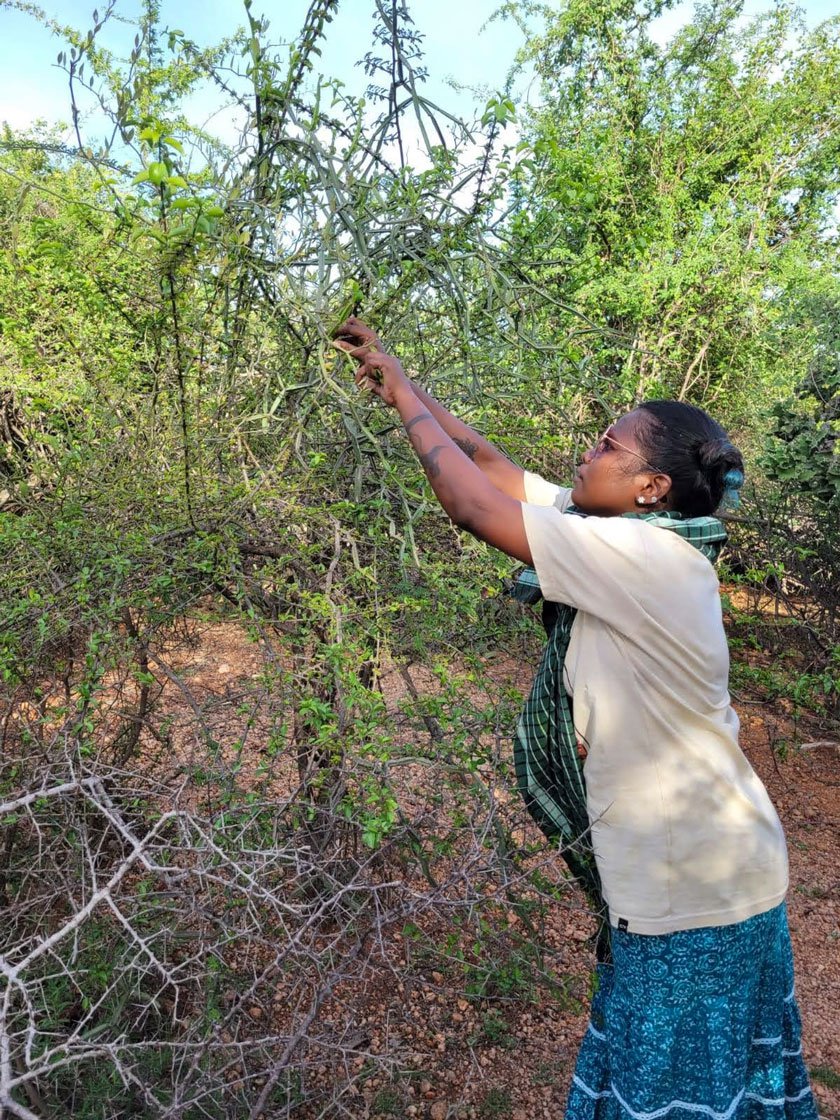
(378, 371)
(357, 339)
(385, 376)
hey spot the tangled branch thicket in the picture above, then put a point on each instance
(192, 950)
(205, 889)
(198, 893)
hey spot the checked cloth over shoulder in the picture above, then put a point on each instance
(549, 772)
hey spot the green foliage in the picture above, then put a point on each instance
(179, 439)
(825, 1075)
(494, 1031)
(803, 448)
(179, 442)
(781, 656)
(388, 1102)
(497, 1103)
(683, 188)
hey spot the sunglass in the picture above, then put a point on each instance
(604, 442)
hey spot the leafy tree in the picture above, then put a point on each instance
(677, 192)
(802, 449)
(180, 437)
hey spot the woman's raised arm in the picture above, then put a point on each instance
(354, 335)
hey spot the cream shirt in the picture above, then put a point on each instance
(683, 830)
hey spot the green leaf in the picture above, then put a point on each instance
(157, 173)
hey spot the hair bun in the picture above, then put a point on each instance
(712, 454)
(722, 465)
(703, 464)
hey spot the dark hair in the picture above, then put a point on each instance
(685, 443)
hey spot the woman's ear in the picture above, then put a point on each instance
(654, 491)
(662, 486)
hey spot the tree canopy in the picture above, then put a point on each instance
(179, 440)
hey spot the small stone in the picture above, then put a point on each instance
(439, 1110)
(255, 1012)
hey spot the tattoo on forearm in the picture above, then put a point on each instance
(429, 461)
(416, 420)
(467, 446)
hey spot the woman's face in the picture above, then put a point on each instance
(615, 473)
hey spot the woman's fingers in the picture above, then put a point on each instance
(369, 372)
(382, 373)
(357, 351)
(349, 349)
(354, 335)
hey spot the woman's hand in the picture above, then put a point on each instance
(378, 371)
(385, 376)
(356, 338)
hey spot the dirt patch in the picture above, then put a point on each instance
(805, 788)
(435, 1044)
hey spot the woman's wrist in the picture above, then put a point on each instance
(405, 399)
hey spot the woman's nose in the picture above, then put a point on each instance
(586, 457)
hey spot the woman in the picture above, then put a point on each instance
(695, 1013)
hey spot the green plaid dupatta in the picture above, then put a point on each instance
(549, 772)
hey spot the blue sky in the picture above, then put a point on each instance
(460, 44)
(458, 49)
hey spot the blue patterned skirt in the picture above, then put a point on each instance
(699, 1023)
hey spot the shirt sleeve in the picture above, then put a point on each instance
(540, 492)
(597, 564)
